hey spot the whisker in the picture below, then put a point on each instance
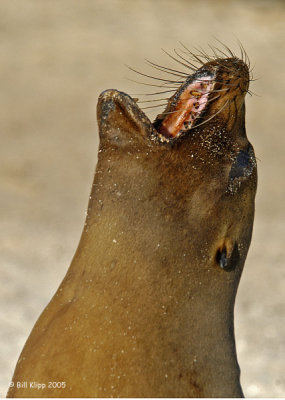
(253, 93)
(203, 53)
(192, 54)
(242, 55)
(152, 94)
(185, 100)
(226, 83)
(175, 111)
(153, 77)
(191, 63)
(180, 62)
(180, 101)
(192, 66)
(159, 105)
(219, 50)
(208, 101)
(246, 58)
(225, 46)
(207, 120)
(251, 73)
(152, 84)
(218, 90)
(165, 71)
(166, 68)
(216, 81)
(150, 101)
(214, 98)
(169, 112)
(225, 66)
(214, 51)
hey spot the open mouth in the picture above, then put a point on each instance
(217, 84)
(186, 106)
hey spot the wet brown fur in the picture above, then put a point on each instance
(145, 309)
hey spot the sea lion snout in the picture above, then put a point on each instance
(215, 91)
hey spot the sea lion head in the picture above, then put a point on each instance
(196, 152)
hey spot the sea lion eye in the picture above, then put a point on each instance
(243, 164)
(228, 261)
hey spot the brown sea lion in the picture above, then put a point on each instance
(146, 307)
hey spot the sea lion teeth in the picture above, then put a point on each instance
(195, 94)
(204, 85)
(146, 307)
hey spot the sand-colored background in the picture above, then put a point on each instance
(55, 59)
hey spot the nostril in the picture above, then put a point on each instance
(227, 257)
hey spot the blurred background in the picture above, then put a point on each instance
(56, 58)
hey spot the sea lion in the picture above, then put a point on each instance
(146, 307)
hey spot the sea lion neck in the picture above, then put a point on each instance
(154, 277)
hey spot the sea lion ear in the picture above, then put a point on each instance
(121, 122)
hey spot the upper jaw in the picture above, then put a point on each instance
(217, 89)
